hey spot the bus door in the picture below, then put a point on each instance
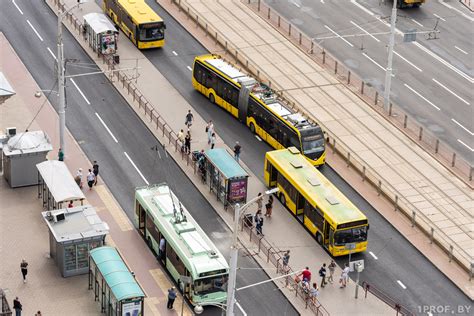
(141, 219)
(243, 102)
(330, 241)
(300, 202)
(327, 227)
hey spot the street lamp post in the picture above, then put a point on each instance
(234, 252)
(388, 71)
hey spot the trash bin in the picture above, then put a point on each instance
(248, 220)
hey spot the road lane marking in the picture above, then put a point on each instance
(376, 63)
(18, 8)
(296, 4)
(471, 149)
(349, 43)
(464, 128)
(80, 91)
(259, 139)
(449, 90)
(322, 1)
(51, 52)
(401, 284)
(457, 10)
(354, 2)
(409, 62)
(190, 69)
(372, 254)
(136, 168)
(444, 62)
(36, 32)
(363, 30)
(418, 94)
(175, 53)
(106, 127)
(415, 21)
(461, 50)
(439, 17)
(237, 303)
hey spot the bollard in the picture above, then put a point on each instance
(451, 248)
(348, 159)
(362, 87)
(324, 57)
(312, 47)
(348, 77)
(300, 38)
(289, 29)
(216, 37)
(363, 173)
(405, 120)
(471, 271)
(268, 15)
(413, 219)
(453, 162)
(420, 134)
(278, 21)
(431, 235)
(335, 67)
(470, 174)
(197, 20)
(206, 30)
(436, 146)
(333, 145)
(379, 188)
(390, 109)
(376, 98)
(396, 203)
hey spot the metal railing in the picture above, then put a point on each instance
(5, 311)
(399, 308)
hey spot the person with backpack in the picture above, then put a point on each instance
(189, 119)
(322, 274)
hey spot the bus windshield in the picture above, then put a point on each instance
(152, 31)
(312, 140)
(211, 285)
(342, 237)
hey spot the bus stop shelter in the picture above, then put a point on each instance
(56, 185)
(226, 178)
(100, 33)
(114, 285)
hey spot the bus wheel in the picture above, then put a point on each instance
(211, 98)
(252, 128)
(283, 199)
(319, 238)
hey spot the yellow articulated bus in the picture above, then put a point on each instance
(327, 214)
(138, 21)
(258, 107)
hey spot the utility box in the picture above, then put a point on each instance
(100, 33)
(20, 155)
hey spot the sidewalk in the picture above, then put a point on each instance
(24, 234)
(304, 250)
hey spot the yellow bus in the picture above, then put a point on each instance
(258, 107)
(138, 21)
(326, 213)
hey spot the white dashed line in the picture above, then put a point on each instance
(460, 141)
(190, 69)
(18, 8)
(80, 91)
(418, 94)
(106, 127)
(354, 2)
(439, 17)
(36, 32)
(175, 53)
(372, 254)
(259, 139)
(51, 52)
(376, 63)
(359, 27)
(297, 5)
(322, 1)
(415, 21)
(464, 128)
(401, 284)
(409, 62)
(461, 50)
(349, 43)
(136, 168)
(449, 90)
(470, 18)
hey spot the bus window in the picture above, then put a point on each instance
(210, 285)
(314, 215)
(273, 173)
(175, 261)
(151, 32)
(342, 237)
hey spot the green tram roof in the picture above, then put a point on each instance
(140, 12)
(116, 274)
(315, 186)
(190, 242)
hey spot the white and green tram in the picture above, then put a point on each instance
(187, 249)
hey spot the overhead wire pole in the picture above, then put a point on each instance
(391, 44)
(61, 84)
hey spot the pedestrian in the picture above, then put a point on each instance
(306, 274)
(95, 169)
(90, 179)
(162, 248)
(78, 177)
(286, 260)
(237, 149)
(314, 293)
(332, 268)
(60, 154)
(17, 306)
(71, 204)
(189, 119)
(24, 269)
(322, 274)
(181, 139)
(187, 143)
(270, 199)
(344, 276)
(213, 140)
(269, 208)
(259, 222)
(38, 313)
(209, 130)
(171, 297)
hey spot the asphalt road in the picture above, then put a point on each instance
(433, 79)
(133, 138)
(396, 259)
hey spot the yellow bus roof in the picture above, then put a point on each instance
(314, 186)
(140, 12)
